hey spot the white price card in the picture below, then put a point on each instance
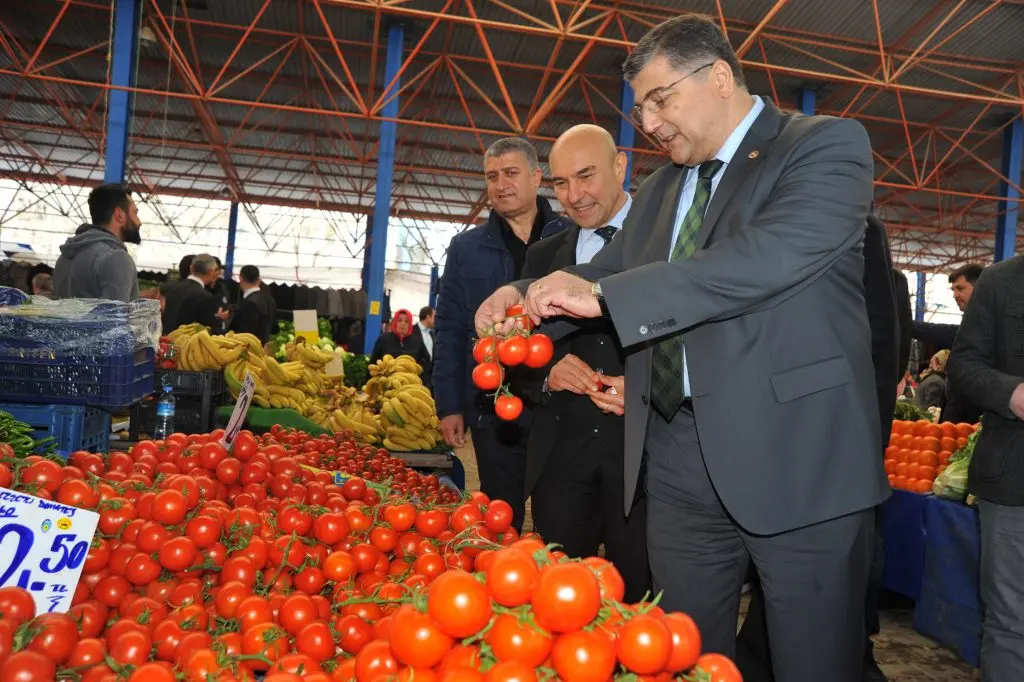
(43, 545)
(238, 414)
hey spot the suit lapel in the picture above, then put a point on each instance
(665, 221)
(764, 129)
(565, 255)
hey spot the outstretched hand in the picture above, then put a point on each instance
(561, 293)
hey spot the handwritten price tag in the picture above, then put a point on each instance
(238, 414)
(42, 548)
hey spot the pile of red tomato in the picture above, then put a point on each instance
(217, 566)
(520, 347)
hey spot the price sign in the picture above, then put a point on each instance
(238, 414)
(339, 476)
(43, 545)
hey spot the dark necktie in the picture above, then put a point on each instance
(667, 361)
(606, 233)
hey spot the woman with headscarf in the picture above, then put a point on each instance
(931, 389)
(402, 340)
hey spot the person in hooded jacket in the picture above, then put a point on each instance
(402, 341)
(94, 262)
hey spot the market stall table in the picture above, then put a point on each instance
(903, 530)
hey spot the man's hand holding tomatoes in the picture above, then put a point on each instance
(561, 293)
(492, 316)
(572, 374)
(613, 399)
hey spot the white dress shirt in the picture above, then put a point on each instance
(428, 340)
(250, 291)
(724, 155)
(589, 242)
(197, 281)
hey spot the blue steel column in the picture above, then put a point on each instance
(365, 274)
(626, 133)
(229, 257)
(808, 101)
(435, 283)
(382, 202)
(123, 57)
(1008, 207)
(920, 303)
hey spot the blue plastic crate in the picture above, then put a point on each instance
(73, 427)
(97, 380)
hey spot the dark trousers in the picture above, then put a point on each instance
(1002, 592)
(578, 503)
(814, 577)
(753, 655)
(501, 457)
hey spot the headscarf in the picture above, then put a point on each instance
(939, 359)
(394, 324)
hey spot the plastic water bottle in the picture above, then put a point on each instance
(164, 415)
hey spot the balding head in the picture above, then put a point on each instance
(588, 173)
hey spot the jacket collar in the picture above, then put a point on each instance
(550, 222)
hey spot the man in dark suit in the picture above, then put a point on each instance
(251, 315)
(751, 243)
(987, 366)
(574, 463)
(752, 651)
(188, 300)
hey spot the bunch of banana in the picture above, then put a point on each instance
(234, 375)
(361, 422)
(251, 343)
(310, 356)
(183, 331)
(288, 397)
(312, 381)
(389, 365)
(201, 351)
(282, 374)
(410, 418)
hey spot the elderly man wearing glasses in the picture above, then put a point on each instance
(738, 280)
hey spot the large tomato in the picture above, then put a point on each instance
(511, 577)
(539, 350)
(511, 640)
(566, 597)
(685, 642)
(644, 644)
(16, 605)
(28, 666)
(486, 349)
(512, 351)
(458, 604)
(583, 657)
(719, 668)
(415, 640)
(508, 407)
(487, 376)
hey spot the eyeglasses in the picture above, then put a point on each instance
(655, 100)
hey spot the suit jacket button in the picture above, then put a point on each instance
(643, 330)
(643, 399)
(558, 418)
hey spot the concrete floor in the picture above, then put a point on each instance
(903, 654)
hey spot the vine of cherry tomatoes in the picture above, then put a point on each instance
(520, 347)
(216, 565)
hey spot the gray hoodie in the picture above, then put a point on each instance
(95, 264)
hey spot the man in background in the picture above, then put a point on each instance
(251, 315)
(42, 285)
(479, 261)
(574, 456)
(94, 263)
(987, 367)
(189, 301)
(961, 282)
(426, 328)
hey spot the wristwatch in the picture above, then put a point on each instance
(595, 290)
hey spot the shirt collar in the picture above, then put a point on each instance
(250, 291)
(618, 219)
(732, 143)
(197, 281)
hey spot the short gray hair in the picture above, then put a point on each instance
(509, 145)
(687, 41)
(203, 264)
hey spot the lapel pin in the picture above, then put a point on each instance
(754, 154)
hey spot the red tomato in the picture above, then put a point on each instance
(566, 597)
(539, 350)
(644, 644)
(27, 666)
(583, 656)
(415, 640)
(169, 507)
(459, 604)
(686, 642)
(488, 376)
(485, 350)
(512, 351)
(524, 321)
(511, 577)
(511, 640)
(508, 407)
(16, 605)
(57, 636)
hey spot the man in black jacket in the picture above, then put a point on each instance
(961, 282)
(188, 300)
(987, 367)
(574, 456)
(251, 315)
(883, 305)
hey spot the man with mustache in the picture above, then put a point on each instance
(736, 289)
(94, 263)
(480, 260)
(574, 455)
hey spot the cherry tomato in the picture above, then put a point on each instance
(539, 350)
(508, 407)
(488, 376)
(512, 351)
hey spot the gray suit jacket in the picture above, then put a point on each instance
(774, 320)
